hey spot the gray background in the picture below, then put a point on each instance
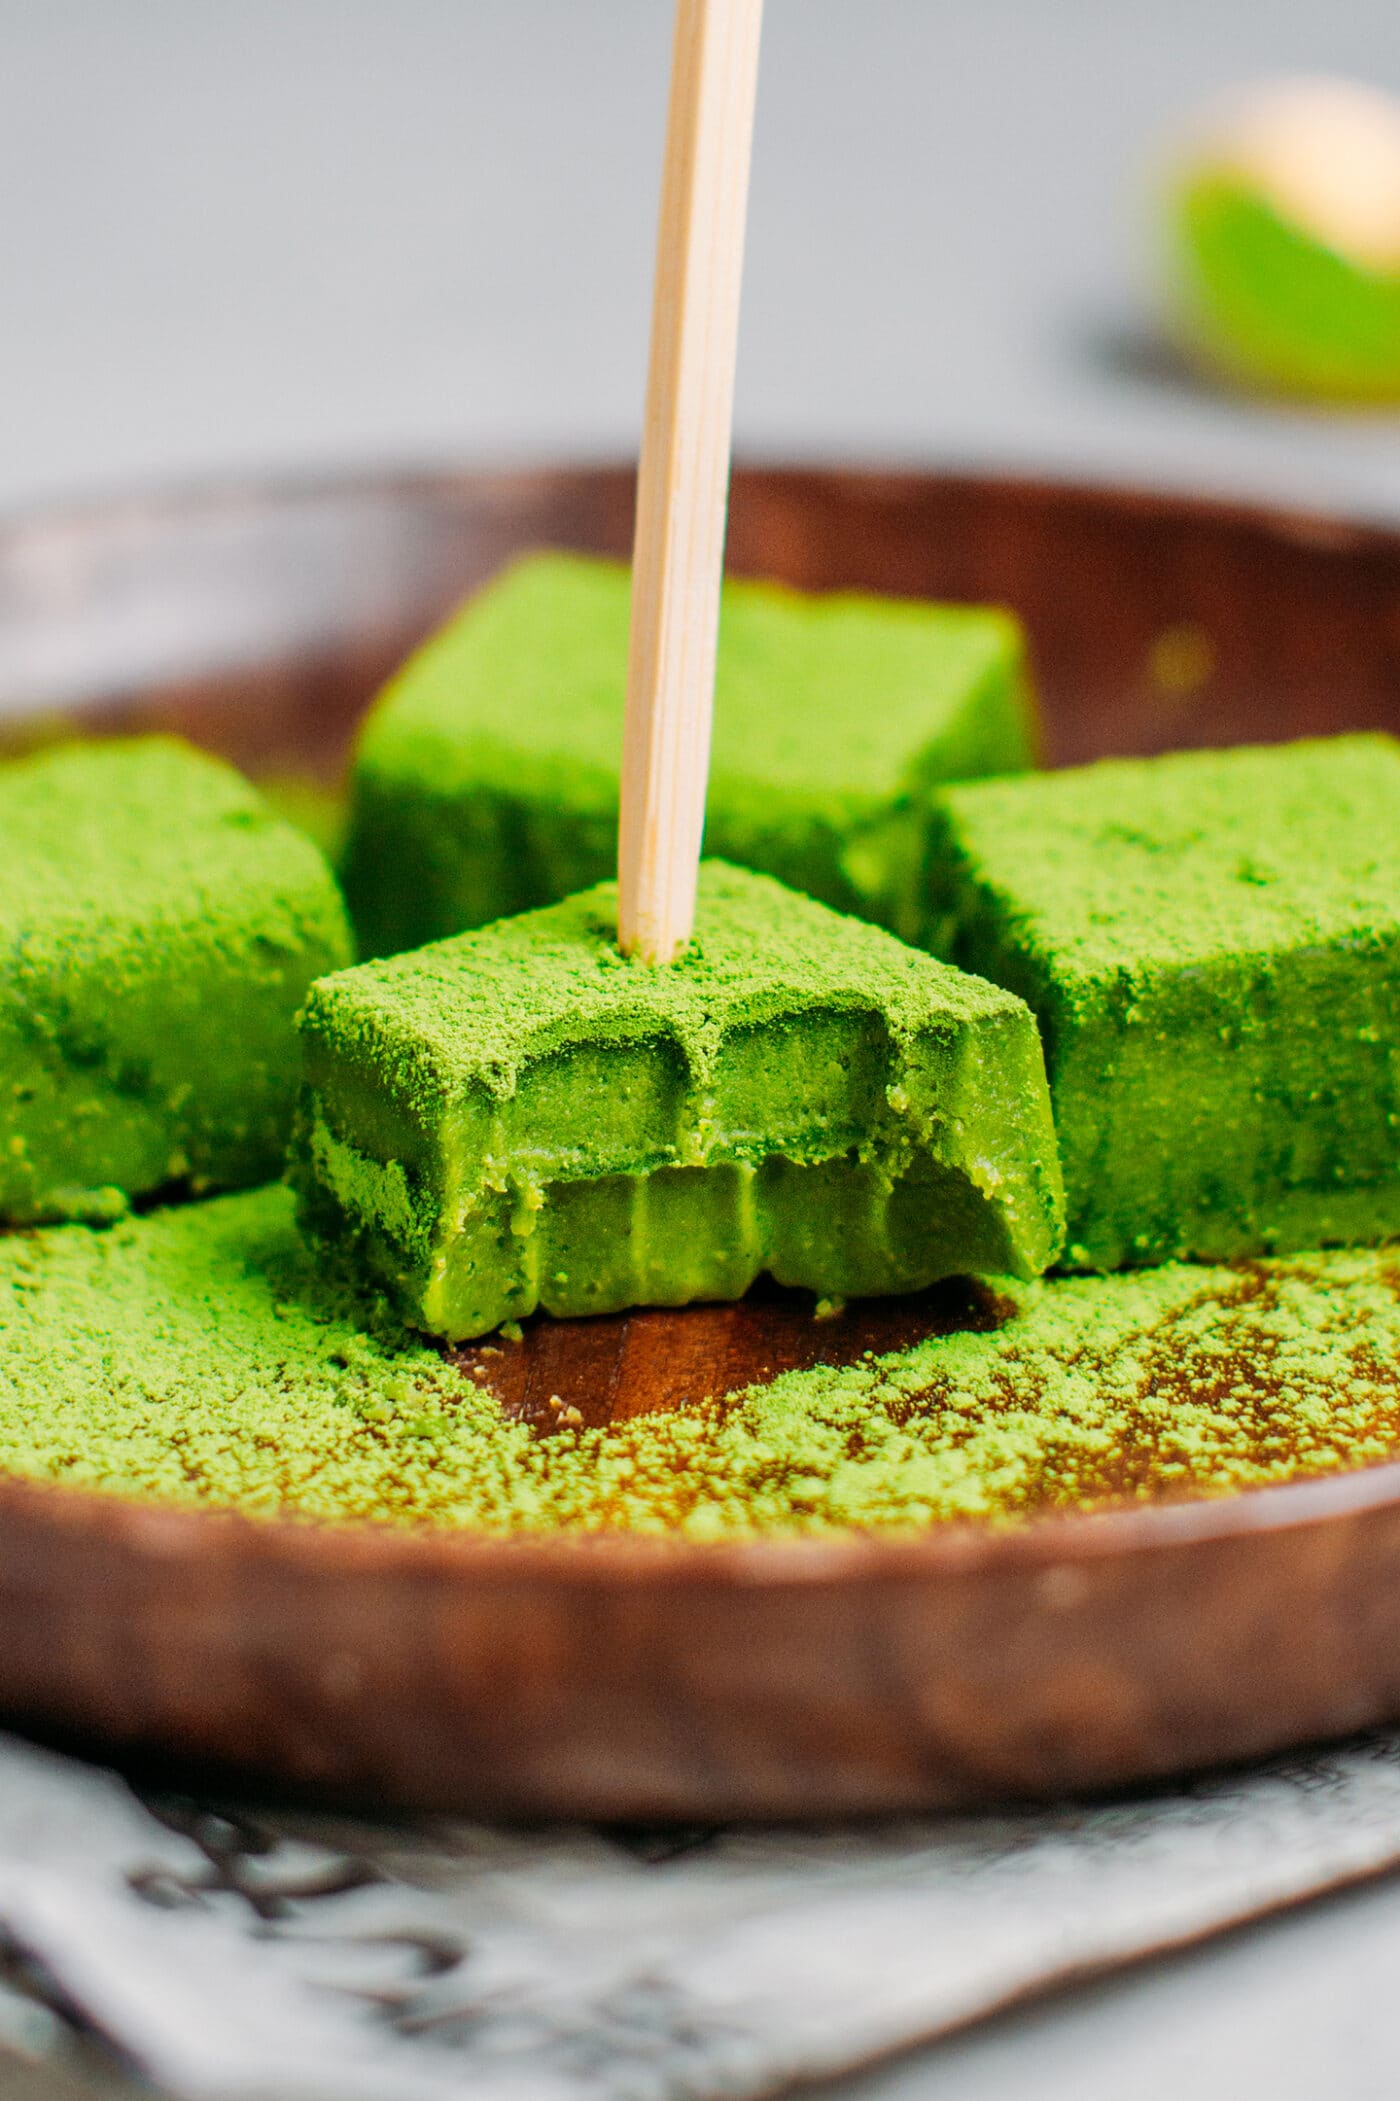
(287, 234)
(247, 233)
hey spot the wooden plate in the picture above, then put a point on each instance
(627, 1679)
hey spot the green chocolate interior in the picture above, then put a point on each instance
(520, 1117)
(201, 1356)
(158, 930)
(1211, 942)
(486, 780)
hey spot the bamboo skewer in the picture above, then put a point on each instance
(683, 480)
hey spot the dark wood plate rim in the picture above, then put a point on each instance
(1305, 524)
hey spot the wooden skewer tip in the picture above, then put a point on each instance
(683, 479)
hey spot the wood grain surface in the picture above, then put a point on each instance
(627, 1678)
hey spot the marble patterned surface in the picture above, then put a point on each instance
(227, 1952)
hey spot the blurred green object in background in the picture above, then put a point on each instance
(1283, 222)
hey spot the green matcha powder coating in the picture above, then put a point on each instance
(486, 779)
(159, 927)
(197, 1356)
(1211, 944)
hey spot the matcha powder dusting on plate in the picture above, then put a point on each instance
(195, 1356)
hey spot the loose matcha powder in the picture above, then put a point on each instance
(195, 1356)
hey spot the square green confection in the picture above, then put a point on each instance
(158, 930)
(1211, 942)
(520, 1117)
(486, 780)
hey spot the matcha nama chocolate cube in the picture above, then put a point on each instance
(486, 780)
(158, 930)
(1211, 943)
(520, 1117)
